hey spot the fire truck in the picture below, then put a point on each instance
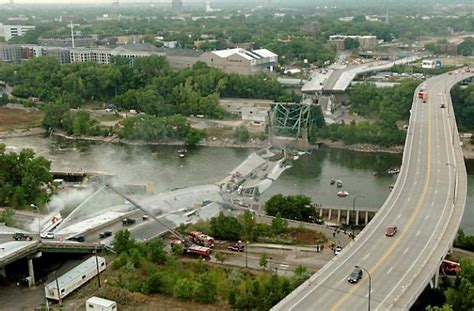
(193, 250)
(423, 95)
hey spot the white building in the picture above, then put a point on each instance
(11, 31)
(100, 304)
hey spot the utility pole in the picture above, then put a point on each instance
(97, 264)
(57, 288)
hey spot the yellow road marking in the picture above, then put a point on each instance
(406, 227)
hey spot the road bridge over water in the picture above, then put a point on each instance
(427, 205)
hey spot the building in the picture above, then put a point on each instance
(181, 58)
(85, 41)
(241, 61)
(11, 31)
(254, 110)
(62, 54)
(100, 304)
(10, 53)
(177, 7)
(366, 42)
(104, 55)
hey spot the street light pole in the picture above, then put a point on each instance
(353, 210)
(370, 282)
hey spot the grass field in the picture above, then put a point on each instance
(11, 119)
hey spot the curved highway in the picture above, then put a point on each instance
(426, 205)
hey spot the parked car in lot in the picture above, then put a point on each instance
(128, 221)
(391, 230)
(105, 234)
(78, 238)
(337, 250)
(355, 276)
(21, 237)
(47, 235)
(236, 247)
(145, 217)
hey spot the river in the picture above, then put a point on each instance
(362, 174)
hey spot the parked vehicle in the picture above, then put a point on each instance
(442, 106)
(21, 237)
(355, 276)
(78, 238)
(145, 217)
(47, 235)
(337, 250)
(236, 247)
(199, 238)
(193, 249)
(391, 230)
(74, 278)
(342, 194)
(128, 221)
(105, 234)
(339, 183)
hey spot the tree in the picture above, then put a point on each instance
(247, 222)
(466, 48)
(225, 227)
(242, 134)
(279, 224)
(263, 260)
(7, 217)
(461, 295)
(220, 257)
(351, 43)
(55, 115)
(294, 207)
(184, 288)
(156, 249)
(206, 290)
(123, 242)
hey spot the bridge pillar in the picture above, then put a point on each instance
(348, 216)
(321, 213)
(31, 272)
(329, 214)
(436, 279)
(339, 215)
(357, 218)
(366, 217)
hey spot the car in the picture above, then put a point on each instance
(355, 276)
(105, 234)
(145, 217)
(21, 237)
(236, 247)
(47, 235)
(337, 250)
(78, 238)
(391, 230)
(128, 221)
(442, 106)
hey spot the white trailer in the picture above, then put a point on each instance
(100, 304)
(75, 278)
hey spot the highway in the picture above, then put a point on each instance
(426, 204)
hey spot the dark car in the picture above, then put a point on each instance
(355, 276)
(21, 237)
(391, 230)
(128, 221)
(236, 247)
(78, 238)
(105, 234)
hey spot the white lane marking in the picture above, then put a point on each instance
(409, 198)
(437, 180)
(400, 215)
(432, 204)
(426, 217)
(406, 250)
(418, 232)
(366, 256)
(389, 270)
(436, 191)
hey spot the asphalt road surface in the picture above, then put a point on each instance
(421, 205)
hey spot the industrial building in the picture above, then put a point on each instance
(255, 110)
(11, 31)
(366, 42)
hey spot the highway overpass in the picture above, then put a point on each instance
(426, 204)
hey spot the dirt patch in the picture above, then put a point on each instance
(308, 237)
(18, 118)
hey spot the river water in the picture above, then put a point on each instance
(361, 173)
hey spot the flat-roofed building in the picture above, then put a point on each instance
(10, 53)
(11, 31)
(84, 41)
(366, 42)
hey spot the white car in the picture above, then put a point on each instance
(47, 235)
(337, 250)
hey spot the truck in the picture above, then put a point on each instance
(423, 95)
(74, 278)
(201, 239)
(193, 249)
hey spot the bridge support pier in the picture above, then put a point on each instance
(329, 214)
(357, 218)
(339, 215)
(366, 217)
(348, 217)
(31, 272)
(3, 272)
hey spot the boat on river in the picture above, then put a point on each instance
(342, 194)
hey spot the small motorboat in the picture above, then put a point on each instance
(338, 183)
(332, 182)
(393, 171)
(181, 155)
(342, 194)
